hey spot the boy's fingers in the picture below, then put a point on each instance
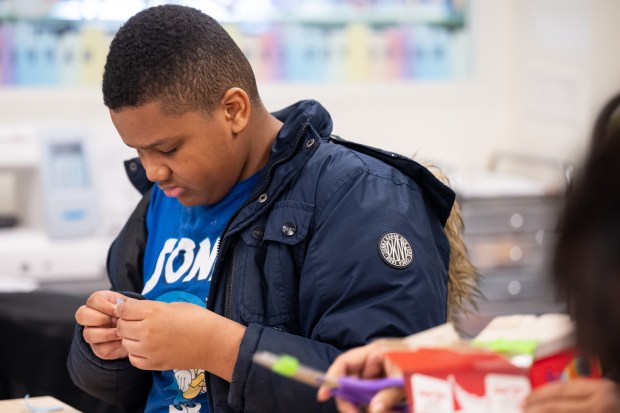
(88, 317)
(112, 350)
(100, 302)
(118, 308)
(130, 309)
(95, 335)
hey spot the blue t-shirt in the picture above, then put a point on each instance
(180, 253)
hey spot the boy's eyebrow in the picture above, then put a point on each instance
(159, 142)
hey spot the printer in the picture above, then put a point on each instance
(49, 207)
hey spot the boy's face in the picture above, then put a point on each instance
(191, 157)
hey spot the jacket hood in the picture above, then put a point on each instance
(440, 196)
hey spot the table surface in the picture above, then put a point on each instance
(43, 402)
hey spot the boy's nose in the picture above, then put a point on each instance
(157, 172)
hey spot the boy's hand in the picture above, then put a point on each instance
(167, 336)
(97, 317)
(573, 396)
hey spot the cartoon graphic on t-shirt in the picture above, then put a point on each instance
(187, 384)
(185, 408)
(191, 382)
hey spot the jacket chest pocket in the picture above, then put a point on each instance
(268, 283)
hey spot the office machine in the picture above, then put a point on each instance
(49, 211)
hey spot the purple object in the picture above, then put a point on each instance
(361, 391)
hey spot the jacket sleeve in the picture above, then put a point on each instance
(116, 381)
(357, 284)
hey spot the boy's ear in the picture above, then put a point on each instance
(236, 103)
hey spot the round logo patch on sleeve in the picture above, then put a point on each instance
(395, 250)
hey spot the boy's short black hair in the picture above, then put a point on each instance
(177, 55)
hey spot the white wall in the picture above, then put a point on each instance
(568, 67)
(453, 123)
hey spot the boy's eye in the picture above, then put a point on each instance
(171, 151)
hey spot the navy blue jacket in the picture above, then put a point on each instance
(339, 244)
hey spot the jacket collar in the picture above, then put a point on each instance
(137, 175)
(304, 111)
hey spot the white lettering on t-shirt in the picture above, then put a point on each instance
(194, 263)
(152, 282)
(185, 246)
(203, 264)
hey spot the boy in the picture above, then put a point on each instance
(263, 232)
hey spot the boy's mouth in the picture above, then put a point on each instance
(172, 191)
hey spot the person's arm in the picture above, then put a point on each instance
(116, 381)
(100, 367)
(349, 295)
(575, 396)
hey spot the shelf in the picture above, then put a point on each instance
(420, 15)
(74, 12)
(66, 42)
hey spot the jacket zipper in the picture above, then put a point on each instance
(229, 276)
(229, 288)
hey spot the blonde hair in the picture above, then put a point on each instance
(463, 277)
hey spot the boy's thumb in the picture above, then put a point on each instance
(118, 307)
